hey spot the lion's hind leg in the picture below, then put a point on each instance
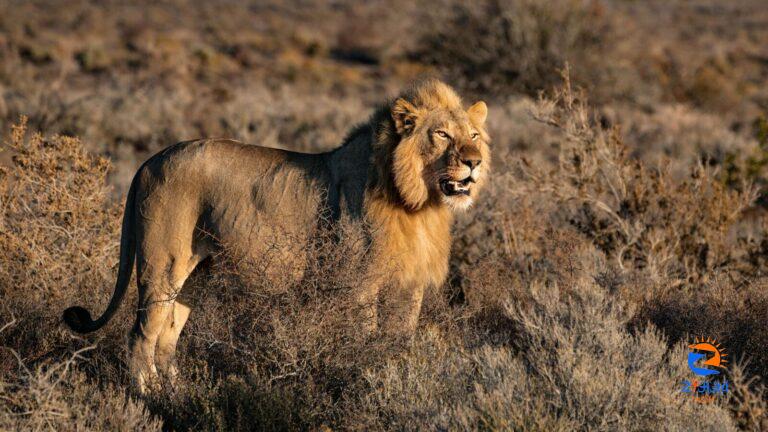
(156, 301)
(160, 317)
(165, 356)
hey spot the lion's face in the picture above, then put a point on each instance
(443, 154)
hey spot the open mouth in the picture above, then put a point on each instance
(456, 187)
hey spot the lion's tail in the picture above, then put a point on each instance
(78, 318)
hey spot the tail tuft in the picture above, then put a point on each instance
(79, 319)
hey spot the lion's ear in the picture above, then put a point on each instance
(404, 115)
(478, 113)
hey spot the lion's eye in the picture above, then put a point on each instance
(443, 135)
(475, 135)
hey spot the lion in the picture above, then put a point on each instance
(419, 159)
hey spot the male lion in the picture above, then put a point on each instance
(403, 173)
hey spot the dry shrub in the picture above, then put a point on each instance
(501, 46)
(750, 163)
(674, 244)
(55, 396)
(640, 216)
(58, 236)
(54, 214)
(573, 366)
(681, 134)
(732, 313)
(291, 322)
(669, 247)
(59, 239)
(748, 401)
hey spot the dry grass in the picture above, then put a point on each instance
(611, 234)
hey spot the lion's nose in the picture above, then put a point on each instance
(471, 163)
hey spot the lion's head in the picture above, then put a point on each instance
(439, 150)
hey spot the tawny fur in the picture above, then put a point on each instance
(398, 173)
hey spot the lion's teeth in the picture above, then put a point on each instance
(457, 185)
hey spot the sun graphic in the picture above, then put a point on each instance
(710, 346)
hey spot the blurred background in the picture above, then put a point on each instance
(686, 79)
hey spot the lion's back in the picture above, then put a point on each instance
(240, 194)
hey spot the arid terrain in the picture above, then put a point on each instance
(626, 216)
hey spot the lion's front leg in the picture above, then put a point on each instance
(365, 308)
(400, 309)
